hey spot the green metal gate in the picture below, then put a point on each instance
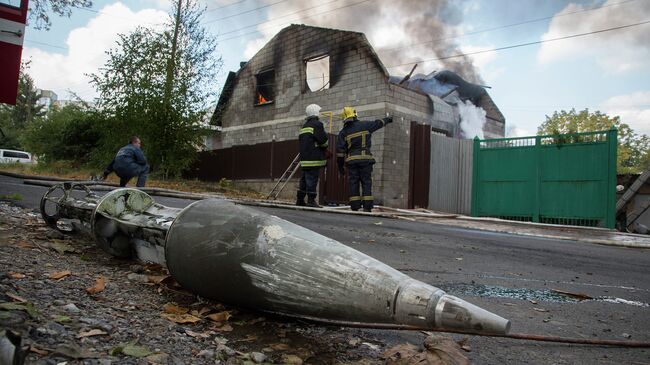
(558, 179)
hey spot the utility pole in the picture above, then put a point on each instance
(167, 126)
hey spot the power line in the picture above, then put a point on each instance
(46, 44)
(285, 23)
(505, 26)
(245, 12)
(276, 18)
(524, 44)
(225, 6)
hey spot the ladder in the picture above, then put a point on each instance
(284, 179)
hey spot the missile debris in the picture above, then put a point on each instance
(241, 256)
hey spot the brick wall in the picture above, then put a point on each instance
(357, 79)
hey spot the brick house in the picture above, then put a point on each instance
(263, 103)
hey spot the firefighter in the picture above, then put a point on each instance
(353, 150)
(313, 156)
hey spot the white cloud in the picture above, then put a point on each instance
(634, 110)
(616, 51)
(514, 131)
(86, 50)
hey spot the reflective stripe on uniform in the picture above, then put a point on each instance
(316, 163)
(355, 198)
(367, 197)
(359, 157)
(324, 144)
(307, 130)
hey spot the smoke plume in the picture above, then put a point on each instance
(401, 31)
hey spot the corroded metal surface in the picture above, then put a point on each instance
(244, 257)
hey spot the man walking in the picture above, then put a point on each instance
(128, 163)
(313, 156)
(353, 150)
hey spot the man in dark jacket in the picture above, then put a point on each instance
(129, 162)
(353, 150)
(313, 156)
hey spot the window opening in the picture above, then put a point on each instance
(318, 73)
(265, 87)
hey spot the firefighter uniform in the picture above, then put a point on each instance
(353, 150)
(313, 146)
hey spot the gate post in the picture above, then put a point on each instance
(537, 183)
(475, 171)
(612, 142)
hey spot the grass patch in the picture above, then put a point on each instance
(70, 170)
(14, 196)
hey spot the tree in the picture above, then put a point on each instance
(68, 133)
(156, 85)
(14, 118)
(633, 150)
(39, 10)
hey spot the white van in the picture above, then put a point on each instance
(12, 156)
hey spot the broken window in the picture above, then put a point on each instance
(265, 87)
(318, 73)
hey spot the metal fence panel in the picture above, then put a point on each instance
(450, 182)
(558, 179)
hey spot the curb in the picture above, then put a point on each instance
(47, 181)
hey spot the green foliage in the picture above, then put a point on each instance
(156, 85)
(14, 118)
(633, 150)
(68, 133)
(39, 10)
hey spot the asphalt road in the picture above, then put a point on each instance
(513, 276)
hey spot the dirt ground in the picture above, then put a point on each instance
(71, 303)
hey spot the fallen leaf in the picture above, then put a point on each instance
(15, 297)
(291, 359)
(225, 328)
(36, 350)
(378, 223)
(74, 351)
(197, 334)
(220, 316)
(135, 350)
(180, 318)
(95, 332)
(443, 350)
(59, 275)
(62, 319)
(157, 279)
(438, 351)
(532, 301)
(203, 311)
(16, 275)
(27, 307)
(25, 244)
(280, 346)
(459, 258)
(540, 309)
(574, 295)
(62, 247)
(100, 285)
(174, 309)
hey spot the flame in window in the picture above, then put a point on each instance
(261, 99)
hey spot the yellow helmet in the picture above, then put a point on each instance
(348, 112)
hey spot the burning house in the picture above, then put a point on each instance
(261, 110)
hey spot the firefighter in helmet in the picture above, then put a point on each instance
(313, 156)
(353, 150)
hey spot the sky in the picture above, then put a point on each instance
(600, 70)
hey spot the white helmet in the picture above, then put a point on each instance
(312, 110)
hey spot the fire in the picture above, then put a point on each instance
(261, 99)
